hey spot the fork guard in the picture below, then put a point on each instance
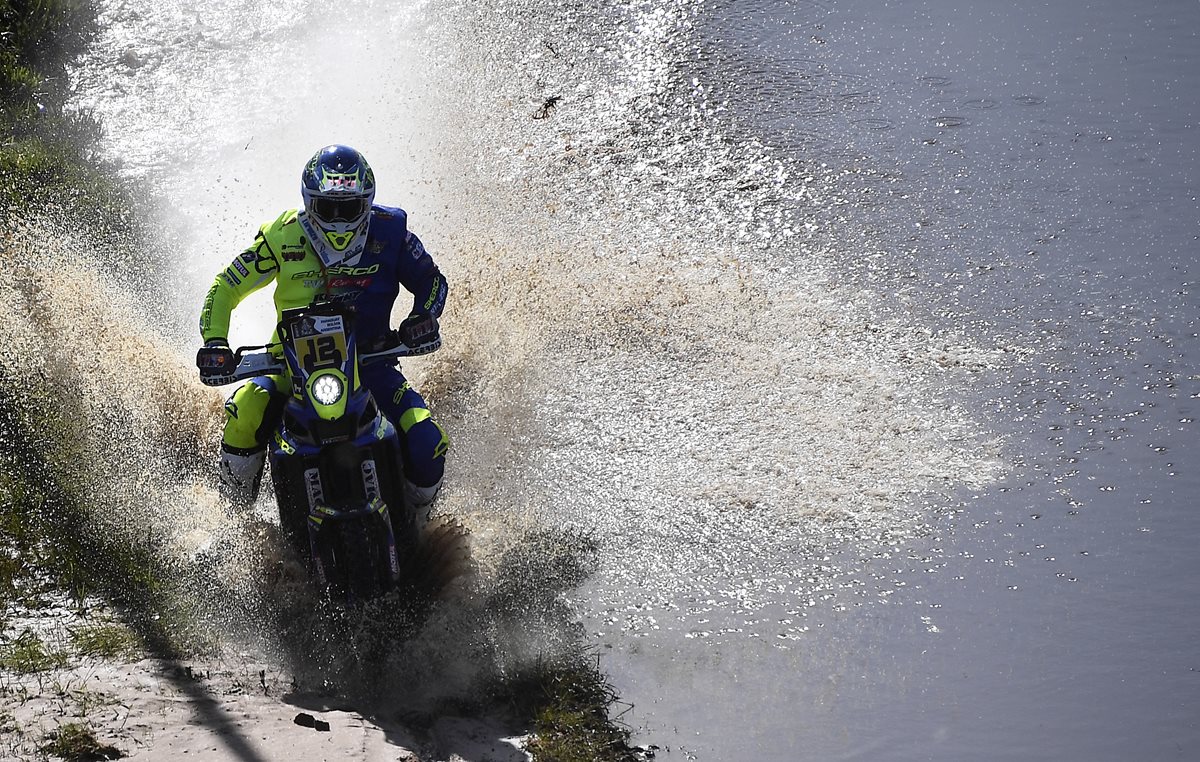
(323, 524)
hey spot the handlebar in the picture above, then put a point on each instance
(251, 362)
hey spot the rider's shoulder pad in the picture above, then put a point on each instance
(388, 215)
(290, 217)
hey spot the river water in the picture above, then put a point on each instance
(861, 335)
(1029, 176)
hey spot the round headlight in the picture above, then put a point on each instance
(327, 389)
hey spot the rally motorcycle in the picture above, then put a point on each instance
(336, 460)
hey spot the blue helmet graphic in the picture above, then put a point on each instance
(338, 188)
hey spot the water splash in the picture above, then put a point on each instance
(646, 337)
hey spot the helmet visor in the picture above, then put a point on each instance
(344, 209)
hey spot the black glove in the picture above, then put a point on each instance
(416, 330)
(215, 359)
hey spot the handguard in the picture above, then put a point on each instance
(393, 348)
(246, 365)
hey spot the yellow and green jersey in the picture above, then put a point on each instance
(393, 257)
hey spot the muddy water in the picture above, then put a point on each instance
(861, 338)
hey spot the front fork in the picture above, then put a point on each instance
(322, 519)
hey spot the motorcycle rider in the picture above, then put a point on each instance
(340, 246)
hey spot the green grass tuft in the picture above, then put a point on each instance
(76, 742)
(27, 653)
(108, 641)
(569, 703)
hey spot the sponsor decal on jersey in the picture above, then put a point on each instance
(241, 268)
(293, 252)
(376, 247)
(249, 257)
(350, 282)
(435, 293)
(415, 247)
(348, 270)
(338, 270)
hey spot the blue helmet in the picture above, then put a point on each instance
(338, 188)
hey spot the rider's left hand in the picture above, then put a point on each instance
(416, 330)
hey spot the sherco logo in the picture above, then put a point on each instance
(347, 270)
(338, 270)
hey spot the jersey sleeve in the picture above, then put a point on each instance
(251, 270)
(423, 278)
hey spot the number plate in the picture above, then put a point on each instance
(320, 341)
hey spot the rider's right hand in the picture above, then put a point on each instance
(215, 358)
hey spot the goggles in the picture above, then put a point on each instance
(335, 209)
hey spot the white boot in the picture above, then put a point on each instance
(241, 476)
(420, 498)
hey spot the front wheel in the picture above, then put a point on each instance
(360, 558)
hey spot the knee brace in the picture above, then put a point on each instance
(425, 445)
(241, 475)
(252, 413)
